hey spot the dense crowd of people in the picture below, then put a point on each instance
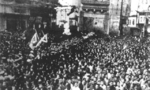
(75, 64)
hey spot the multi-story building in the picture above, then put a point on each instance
(143, 5)
(13, 14)
(115, 10)
(65, 8)
(16, 14)
(139, 15)
(95, 14)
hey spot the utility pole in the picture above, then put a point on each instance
(120, 24)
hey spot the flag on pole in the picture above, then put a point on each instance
(35, 38)
(44, 39)
(33, 41)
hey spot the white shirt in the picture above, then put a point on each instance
(109, 75)
(74, 88)
(106, 80)
(91, 68)
(142, 82)
(118, 88)
(104, 87)
(122, 87)
(129, 70)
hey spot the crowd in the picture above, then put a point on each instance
(77, 64)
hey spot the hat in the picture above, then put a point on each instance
(31, 55)
(31, 51)
(39, 80)
(29, 60)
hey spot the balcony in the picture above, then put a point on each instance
(95, 7)
(96, 2)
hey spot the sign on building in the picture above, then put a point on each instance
(69, 2)
(141, 19)
(132, 21)
(94, 15)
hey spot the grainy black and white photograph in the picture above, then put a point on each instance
(74, 44)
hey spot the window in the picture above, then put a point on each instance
(133, 22)
(130, 22)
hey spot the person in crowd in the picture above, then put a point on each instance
(74, 64)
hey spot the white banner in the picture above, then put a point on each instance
(141, 19)
(132, 22)
(94, 15)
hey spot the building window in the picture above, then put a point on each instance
(129, 22)
(133, 22)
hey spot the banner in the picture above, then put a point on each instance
(34, 40)
(44, 39)
(141, 19)
(132, 22)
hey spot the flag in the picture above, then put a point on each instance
(88, 35)
(44, 39)
(34, 40)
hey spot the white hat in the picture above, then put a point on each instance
(31, 55)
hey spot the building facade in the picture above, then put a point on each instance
(115, 10)
(68, 15)
(13, 14)
(16, 14)
(140, 12)
(95, 14)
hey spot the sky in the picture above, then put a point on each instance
(134, 6)
(139, 5)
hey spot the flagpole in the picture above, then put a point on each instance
(120, 25)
